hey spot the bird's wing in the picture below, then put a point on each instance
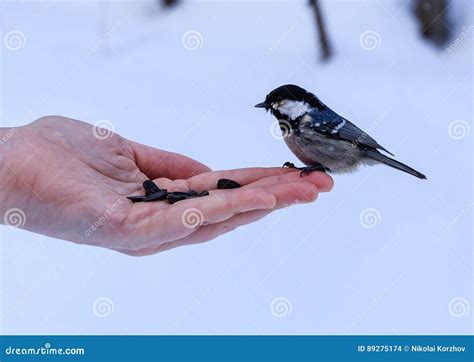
(330, 124)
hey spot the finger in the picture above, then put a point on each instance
(244, 176)
(186, 220)
(208, 181)
(156, 163)
(184, 217)
(157, 225)
(210, 232)
(205, 233)
(322, 181)
(171, 222)
(288, 193)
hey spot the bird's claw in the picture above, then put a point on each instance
(306, 170)
(288, 164)
(309, 169)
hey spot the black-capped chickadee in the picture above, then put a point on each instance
(322, 139)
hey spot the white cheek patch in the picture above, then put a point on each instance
(293, 109)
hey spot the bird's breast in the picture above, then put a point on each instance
(312, 148)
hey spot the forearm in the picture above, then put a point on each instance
(32, 179)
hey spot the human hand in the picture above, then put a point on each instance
(64, 179)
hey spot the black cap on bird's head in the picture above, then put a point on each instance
(288, 92)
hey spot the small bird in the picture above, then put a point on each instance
(322, 139)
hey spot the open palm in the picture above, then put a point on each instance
(70, 180)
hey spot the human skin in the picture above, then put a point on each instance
(72, 185)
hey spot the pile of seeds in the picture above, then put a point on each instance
(154, 193)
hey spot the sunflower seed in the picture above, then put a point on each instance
(224, 183)
(150, 187)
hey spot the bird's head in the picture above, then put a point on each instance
(290, 102)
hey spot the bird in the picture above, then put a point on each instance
(322, 139)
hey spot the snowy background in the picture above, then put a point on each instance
(383, 253)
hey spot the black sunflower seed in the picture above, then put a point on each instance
(154, 193)
(180, 193)
(224, 183)
(156, 196)
(136, 198)
(150, 187)
(172, 198)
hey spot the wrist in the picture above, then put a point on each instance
(9, 165)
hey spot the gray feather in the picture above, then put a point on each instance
(377, 156)
(352, 133)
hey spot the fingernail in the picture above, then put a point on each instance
(326, 183)
(266, 200)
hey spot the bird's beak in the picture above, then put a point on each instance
(261, 105)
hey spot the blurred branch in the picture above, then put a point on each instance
(323, 38)
(169, 3)
(432, 15)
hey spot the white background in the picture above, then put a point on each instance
(125, 62)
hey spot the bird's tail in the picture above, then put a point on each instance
(377, 156)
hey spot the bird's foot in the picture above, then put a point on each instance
(309, 169)
(288, 164)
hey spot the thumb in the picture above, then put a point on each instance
(156, 163)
